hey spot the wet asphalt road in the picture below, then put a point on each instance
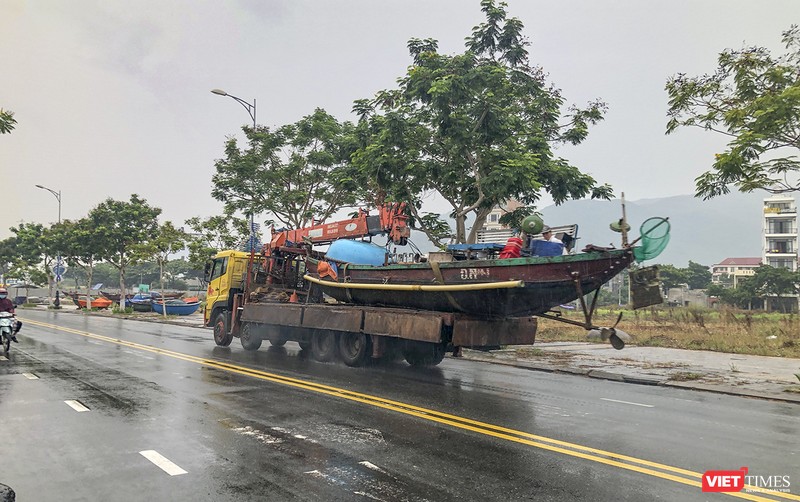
(275, 425)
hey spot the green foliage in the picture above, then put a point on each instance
(295, 173)
(755, 99)
(213, 234)
(672, 277)
(477, 128)
(7, 121)
(123, 231)
(697, 276)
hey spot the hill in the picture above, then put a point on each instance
(705, 232)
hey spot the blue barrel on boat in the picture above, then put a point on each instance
(356, 252)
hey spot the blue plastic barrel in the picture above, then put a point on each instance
(356, 252)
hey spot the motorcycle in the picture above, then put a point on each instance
(7, 325)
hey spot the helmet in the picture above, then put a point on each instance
(3, 291)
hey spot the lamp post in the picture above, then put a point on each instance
(58, 269)
(251, 110)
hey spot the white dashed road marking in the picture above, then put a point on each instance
(162, 462)
(76, 405)
(30, 376)
(627, 402)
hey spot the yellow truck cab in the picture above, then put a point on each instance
(224, 274)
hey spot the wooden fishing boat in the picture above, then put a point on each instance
(487, 288)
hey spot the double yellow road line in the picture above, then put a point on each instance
(641, 466)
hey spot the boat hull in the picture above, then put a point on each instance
(544, 283)
(175, 308)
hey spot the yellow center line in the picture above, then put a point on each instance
(572, 449)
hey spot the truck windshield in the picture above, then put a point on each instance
(220, 265)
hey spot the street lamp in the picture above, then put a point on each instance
(251, 109)
(58, 270)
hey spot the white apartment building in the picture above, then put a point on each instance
(780, 243)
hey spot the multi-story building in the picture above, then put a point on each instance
(493, 219)
(780, 243)
(730, 271)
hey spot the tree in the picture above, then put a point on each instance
(211, 235)
(80, 243)
(697, 276)
(293, 173)
(36, 250)
(168, 240)
(775, 281)
(477, 128)
(8, 255)
(123, 231)
(754, 99)
(671, 277)
(7, 121)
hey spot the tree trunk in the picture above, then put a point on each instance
(461, 231)
(480, 219)
(121, 286)
(89, 284)
(161, 280)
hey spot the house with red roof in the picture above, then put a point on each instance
(730, 271)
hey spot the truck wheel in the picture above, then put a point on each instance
(323, 346)
(355, 348)
(424, 353)
(221, 335)
(250, 340)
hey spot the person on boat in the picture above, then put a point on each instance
(548, 245)
(7, 305)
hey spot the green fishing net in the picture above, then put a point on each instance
(654, 238)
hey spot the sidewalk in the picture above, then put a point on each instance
(736, 374)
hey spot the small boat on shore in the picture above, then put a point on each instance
(95, 303)
(175, 307)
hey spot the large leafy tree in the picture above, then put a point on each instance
(754, 99)
(80, 243)
(167, 241)
(36, 251)
(775, 281)
(213, 234)
(8, 256)
(7, 121)
(478, 128)
(124, 230)
(697, 276)
(671, 276)
(292, 173)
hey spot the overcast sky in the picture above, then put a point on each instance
(112, 97)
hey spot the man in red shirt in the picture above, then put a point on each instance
(7, 305)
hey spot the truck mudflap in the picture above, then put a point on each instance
(469, 332)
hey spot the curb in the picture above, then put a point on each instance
(616, 377)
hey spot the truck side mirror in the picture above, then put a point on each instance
(207, 271)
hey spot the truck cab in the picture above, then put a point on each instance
(224, 274)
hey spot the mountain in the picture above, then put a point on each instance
(705, 232)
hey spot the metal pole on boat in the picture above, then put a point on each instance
(624, 225)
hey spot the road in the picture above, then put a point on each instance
(98, 408)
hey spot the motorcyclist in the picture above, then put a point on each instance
(7, 305)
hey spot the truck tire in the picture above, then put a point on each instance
(424, 353)
(221, 335)
(355, 348)
(249, 337)
(323, 346)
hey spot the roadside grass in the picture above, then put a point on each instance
(719, 330)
